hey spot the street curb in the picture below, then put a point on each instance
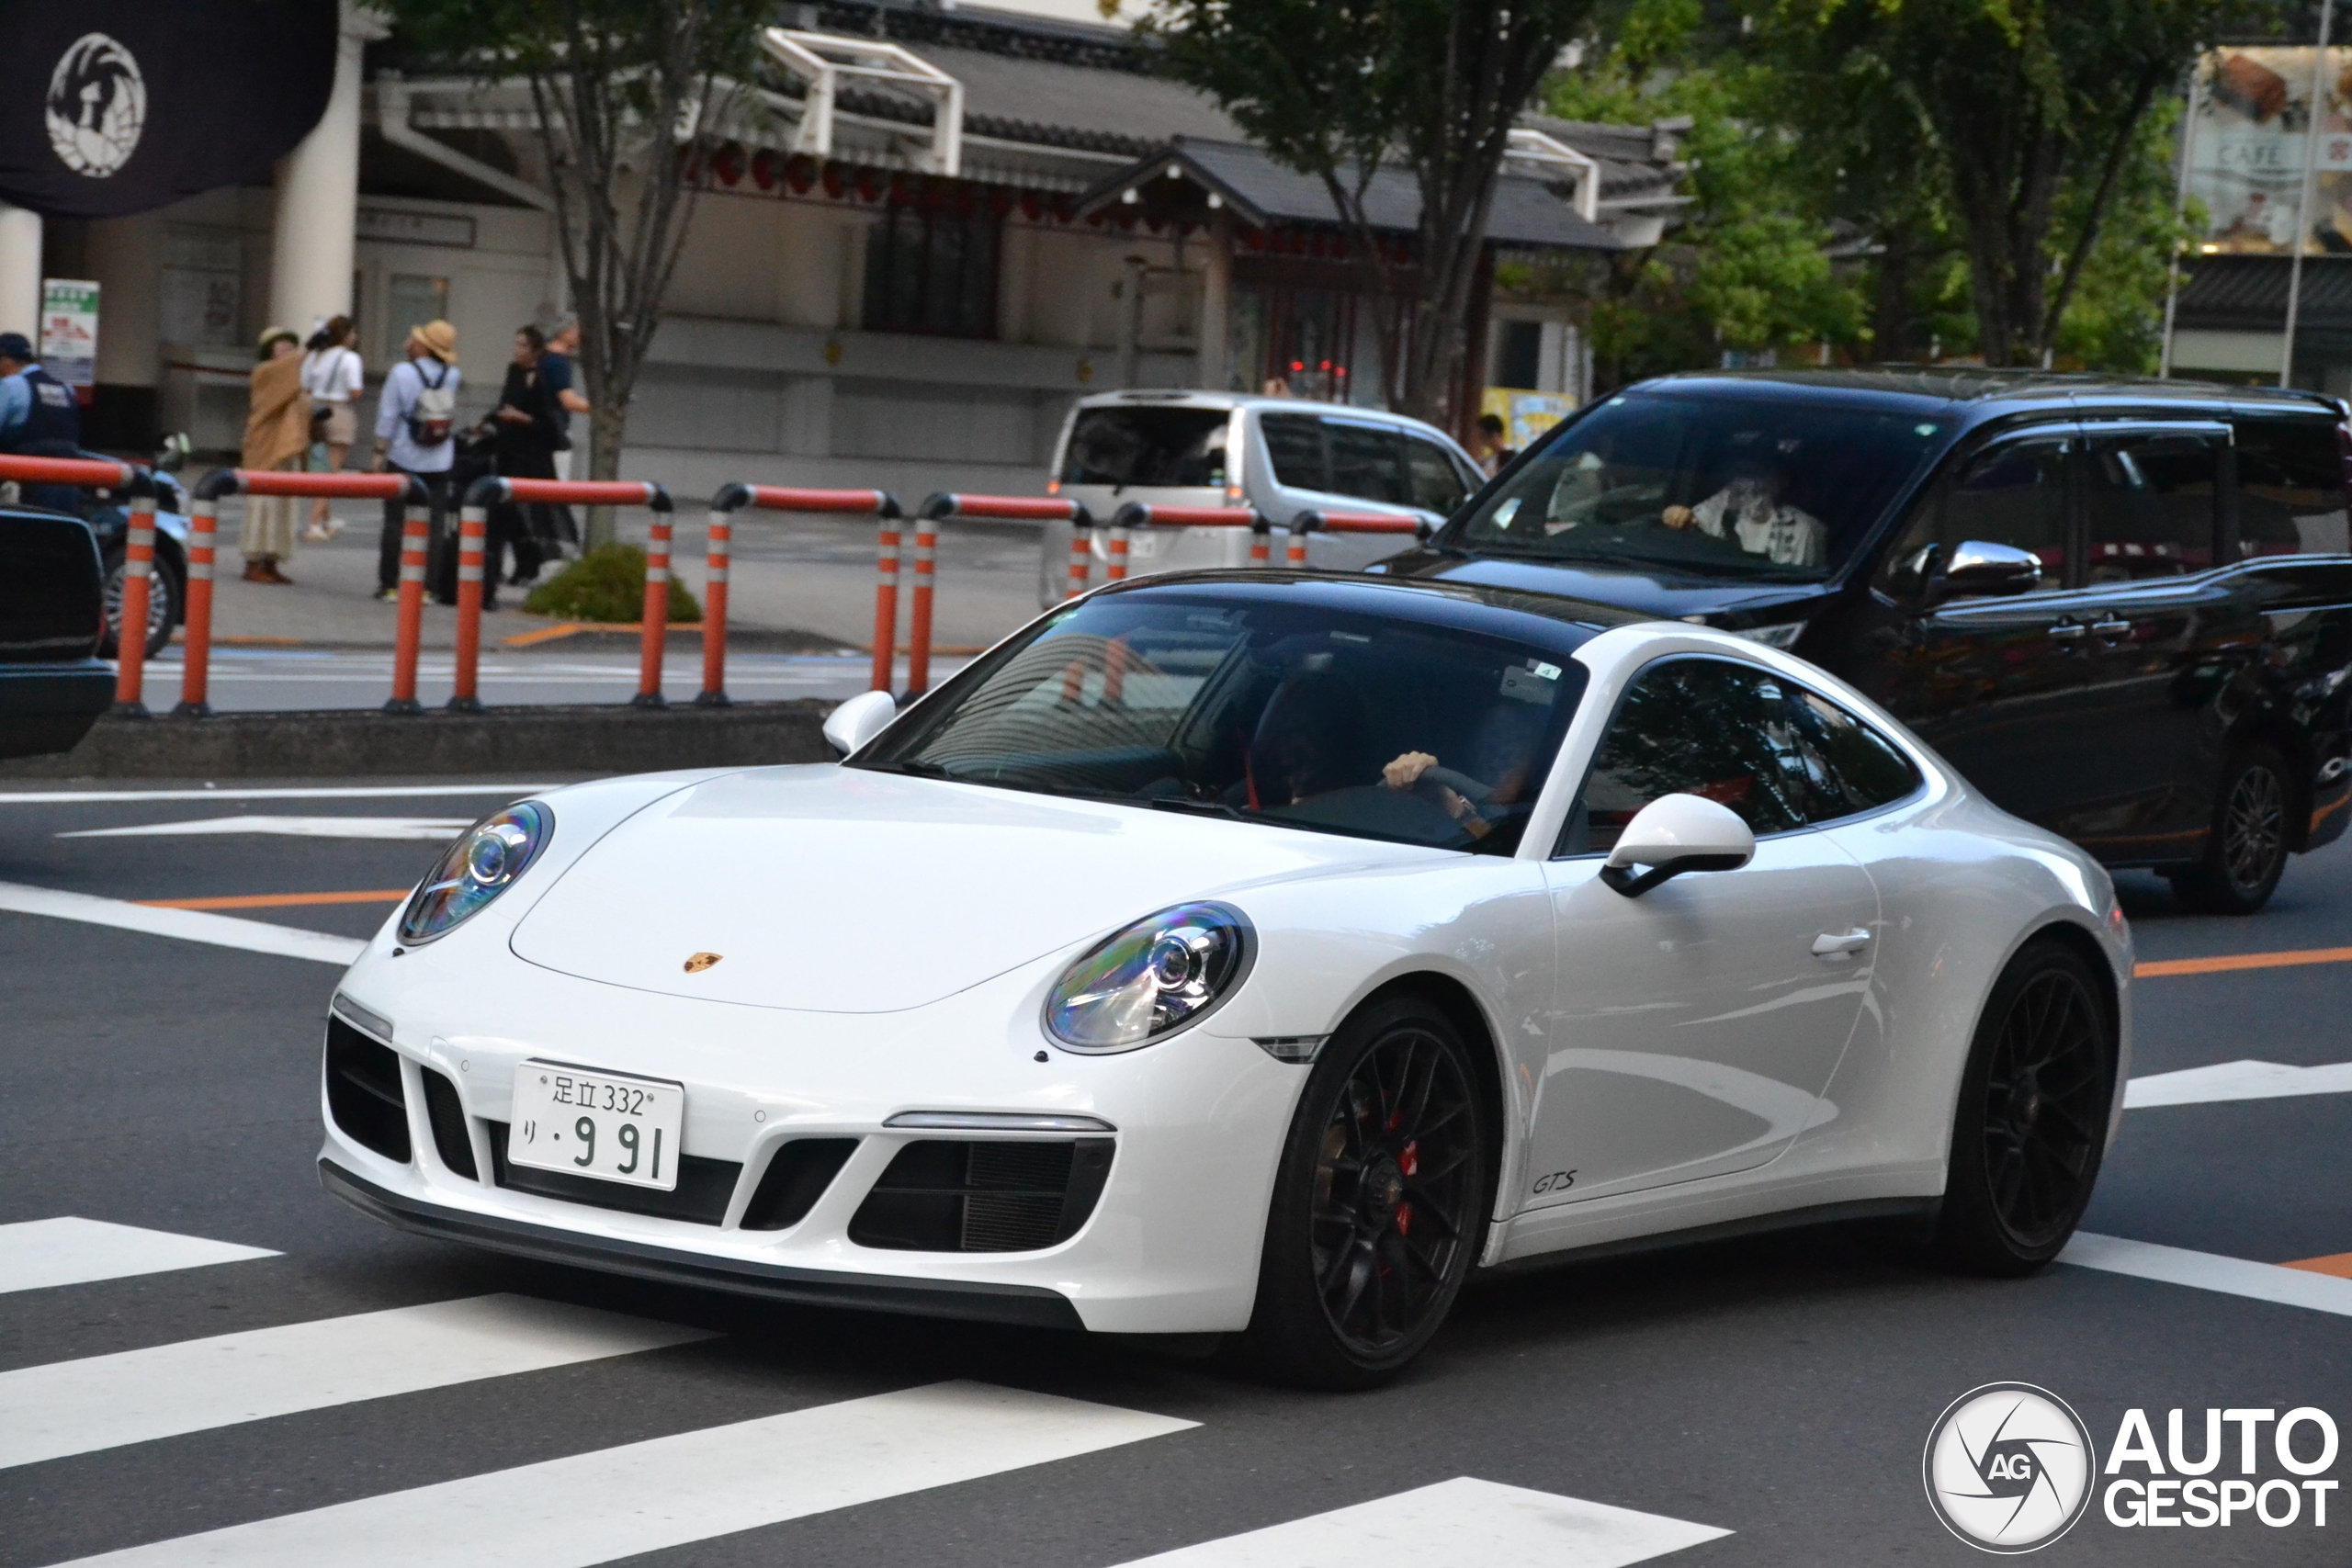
(583, 739)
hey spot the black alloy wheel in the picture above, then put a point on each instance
(2031, 1124)
(1380, 1202)
(162, 607)
(2246, 851)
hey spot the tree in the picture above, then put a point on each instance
(2037, 108)
(622, 90)
(1345, 89)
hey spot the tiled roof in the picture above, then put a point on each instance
(2250, 292)
(1261, 191)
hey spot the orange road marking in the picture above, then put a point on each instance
(2242, 961)
(2339, 1265)
(277, 901)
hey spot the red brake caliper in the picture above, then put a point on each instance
(1408, 1162)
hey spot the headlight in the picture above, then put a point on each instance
(481, 864)
(1155, 978)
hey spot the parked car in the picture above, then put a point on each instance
(52, 689)
(1245, 952)
(1282, 456)
(2122, 608)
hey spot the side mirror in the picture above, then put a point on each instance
(1976, 569)
(849, 727)
(1673, 834)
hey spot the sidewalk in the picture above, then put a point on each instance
(795, 585)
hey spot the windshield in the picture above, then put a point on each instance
(1260, 710)
(1123, 445)
(1715, 486)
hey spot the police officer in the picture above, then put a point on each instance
(39, 417)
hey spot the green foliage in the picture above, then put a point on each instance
(607, 585)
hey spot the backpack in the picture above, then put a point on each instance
(434, 414)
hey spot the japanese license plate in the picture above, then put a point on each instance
(607, 1125)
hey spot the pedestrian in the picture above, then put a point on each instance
(39, 417)
(523, 430)
(556, 369)
(332, 375)
(416, 426)
(277, 435)
(1493, 454)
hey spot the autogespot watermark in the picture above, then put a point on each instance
(2010, 1467)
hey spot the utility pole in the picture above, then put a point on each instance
(2303, 201)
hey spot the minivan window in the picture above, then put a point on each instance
(1732, 487)
(2151, 506)
(1437, 483)
(1367, 460)
(2291, 488)
(1294, 446)
(2013, 494)
(1120, 446)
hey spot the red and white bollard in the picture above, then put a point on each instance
(885, 605)
(416, 542)
(130, 643)
(473, 529)
(196, 660)
(653, 636)
(717, 537)
(919, 614)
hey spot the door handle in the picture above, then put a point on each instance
(2111, 628)
(2067, 631)
(1837, 949)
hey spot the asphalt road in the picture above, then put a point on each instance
(1779, 1388)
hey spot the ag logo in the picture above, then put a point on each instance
(97, 103)
(2010, 1467)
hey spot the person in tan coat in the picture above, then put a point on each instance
(277, 435)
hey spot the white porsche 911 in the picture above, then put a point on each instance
(1249, 953)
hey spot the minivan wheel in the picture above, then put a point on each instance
(2246, 850)
(1379, 1204)
(2031, 1124)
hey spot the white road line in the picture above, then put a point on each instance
(434, 829)
(369, 792)
(1463, 1520)
(187, 925)
(104, 1402)
(37, 1254)
(2235, 1080)
(618, 1502)
(2210, 1272)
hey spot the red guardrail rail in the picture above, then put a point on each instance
(1334, 521)
(879, 503)
(203, 527)
(1142, 515)
(473, 529)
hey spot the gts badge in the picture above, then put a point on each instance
(1558, 1182)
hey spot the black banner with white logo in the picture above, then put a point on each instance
(109, 106)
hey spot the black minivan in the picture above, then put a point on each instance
(2122, 609)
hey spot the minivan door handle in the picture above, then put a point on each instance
(2067, 631)
(2111, 628)
(1834, 948)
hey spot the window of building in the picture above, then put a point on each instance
(932, 270)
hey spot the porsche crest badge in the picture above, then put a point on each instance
(700, 962)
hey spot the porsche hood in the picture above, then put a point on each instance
(836, 889)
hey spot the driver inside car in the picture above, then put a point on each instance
(1749, 509)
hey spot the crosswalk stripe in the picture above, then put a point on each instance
(102, 1401)
(2210, 1272)
(667, 1492)
(1463, 1520)
(2235, 1080)
(37, 1254)
(187, 925)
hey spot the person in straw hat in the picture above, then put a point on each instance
(277, 435)
(416, 426)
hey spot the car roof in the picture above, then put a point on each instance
(1977, 392)
(1178, 397)
(1552, 618)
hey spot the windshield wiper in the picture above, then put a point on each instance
(917, 769)
(1198, 808)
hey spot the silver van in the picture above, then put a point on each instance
(1282, 456)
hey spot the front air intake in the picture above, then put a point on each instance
(446, 1115)
(364, 1092)
(983, 1195)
